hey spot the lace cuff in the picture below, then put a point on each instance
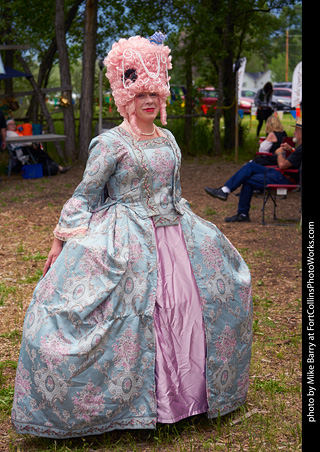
(66, 234)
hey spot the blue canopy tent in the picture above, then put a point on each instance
(12, 73)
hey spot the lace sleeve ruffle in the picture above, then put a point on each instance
(65, 234)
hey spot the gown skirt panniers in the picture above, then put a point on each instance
(146, 315)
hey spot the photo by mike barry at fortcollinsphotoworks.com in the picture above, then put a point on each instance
(310, 395)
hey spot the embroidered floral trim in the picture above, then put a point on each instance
(147, 185)
(143, 163)
(165, 221)
(142, 423)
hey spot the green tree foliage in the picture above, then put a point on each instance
(215, 34)
(209, 35)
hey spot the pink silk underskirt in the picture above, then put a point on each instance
(179, 331)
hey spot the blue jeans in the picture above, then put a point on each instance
(251, 177)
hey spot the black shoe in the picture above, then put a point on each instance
(65, 169)
(217, 193)
(240, 218)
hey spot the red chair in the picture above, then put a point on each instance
(270, 191)
(262, 154)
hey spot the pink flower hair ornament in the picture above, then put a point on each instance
(138, 65)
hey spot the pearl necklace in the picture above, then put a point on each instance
(149, 134)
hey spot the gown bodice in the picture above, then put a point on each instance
(144, 180)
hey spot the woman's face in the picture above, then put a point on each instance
(147, 106)
(12, 126)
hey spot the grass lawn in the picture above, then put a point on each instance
(271, 419)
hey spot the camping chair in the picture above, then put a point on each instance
(13, 157)
(270, 191)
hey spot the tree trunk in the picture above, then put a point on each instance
(217, 114)
(8, 54)
(44, 70)
(229, 113)
(47, 61)
(88, 70)
(229, 86)
(8, 83)
(42, 103)
(65, 79)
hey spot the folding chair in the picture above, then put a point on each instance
(270, 191)
(13, 156)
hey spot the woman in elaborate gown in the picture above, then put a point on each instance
(144, 311)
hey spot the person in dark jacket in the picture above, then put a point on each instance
(263, 101)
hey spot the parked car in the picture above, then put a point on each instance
(246, 101)
(282, 85)
(208, 97)
(281, 98)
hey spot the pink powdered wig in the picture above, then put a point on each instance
(138, 65)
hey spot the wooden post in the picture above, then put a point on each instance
(287, 55)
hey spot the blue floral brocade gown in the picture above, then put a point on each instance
(146, 315)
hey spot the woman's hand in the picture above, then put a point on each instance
(54, 253)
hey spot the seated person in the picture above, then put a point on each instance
(252, 176)
(274, 137)
(24, 150)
